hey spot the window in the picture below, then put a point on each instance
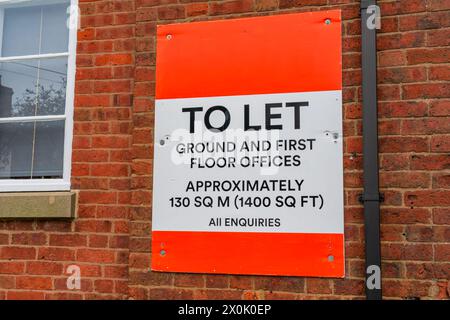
(37, 74)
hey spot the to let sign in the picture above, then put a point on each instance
(248, 168)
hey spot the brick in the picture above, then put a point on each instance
(429, 20)
(98, 256)
(299, 3)
(288, 284)
(441, 181)
(404, 179)
(146, 14)
(44, 268)
(109, 170)
(392, 162)
(396, 251)
(227, 7)
(214, 294)
(88, 270)
(441, 73)
(422, 55)
(425, 126)
(29, 238)
(403, 144)
(442, 252)
(98, 197)
(103, 286)
(392, 233)
(349, 287)
(98, 241)
(406, 289)
(110, 142)
(57, 226)
(403, 6)
(7, 282)
(90, 156)
(140, 244)
(318, 286)
(388, 92)
(435, 5)
(354, 250)
(440, 143)
(389, 127)
(439, 37)
(17, 253)
(240, 282)
(428, 198)
(169, 294)
(391, 58)
(427, 234)
(281, 296)
(402, 75)
(12, 267)
(138, 293)
(63, 296)
(392, 269)
(217, 281)
(426, 91)
(428, 270)
(441, 215)
(171, 13)
(440, 108)
(25, 295)
(34, 283)
(400, 40)
(430, 162)
(119, 242)
(189, 280)
(196, 9)
(56, 254)
(266, 5)
(353, 144)
(116, 271)
(405, 215)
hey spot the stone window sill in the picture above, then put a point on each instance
(38, 205)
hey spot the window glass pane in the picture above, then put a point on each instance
(18, 88)
(33, 87)
(16, 147)
(21, 31)
(52, 86)
(32, 150)
(49, 150)
(55, 34)
(35, 30)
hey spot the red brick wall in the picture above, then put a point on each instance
(110, 240)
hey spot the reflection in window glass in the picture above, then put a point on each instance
(48, 150)
(35, 30)
(52, 86)
(55, 34)
(32, 150)
(16, 144)
(33, 87)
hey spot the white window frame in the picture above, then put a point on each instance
(30, 185)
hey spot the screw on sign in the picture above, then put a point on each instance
(250, 106)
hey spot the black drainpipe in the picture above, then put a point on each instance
(371, 197)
